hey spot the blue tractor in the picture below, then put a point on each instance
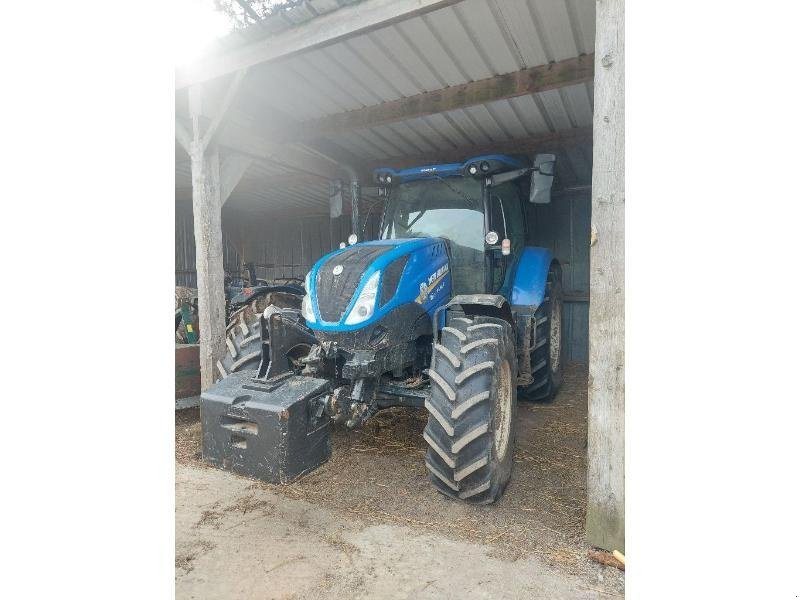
(449, 309)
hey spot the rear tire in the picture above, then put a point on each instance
(243, 333)
(472, 409)
(546, 358)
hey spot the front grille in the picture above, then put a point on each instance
(334, 292)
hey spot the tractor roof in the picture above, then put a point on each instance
(497, 163)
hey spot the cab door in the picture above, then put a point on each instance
(507, 220)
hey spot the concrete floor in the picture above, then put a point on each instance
(368, 524)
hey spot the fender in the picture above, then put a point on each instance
(489, 305)
(530, 277)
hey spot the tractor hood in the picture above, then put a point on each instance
(357, 286)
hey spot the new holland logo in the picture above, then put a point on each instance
(426, 287)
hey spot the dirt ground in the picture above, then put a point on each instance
(372, 501)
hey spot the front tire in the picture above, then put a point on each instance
(243, 333)
(472, 409)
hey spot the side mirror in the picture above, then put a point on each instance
(544, 169)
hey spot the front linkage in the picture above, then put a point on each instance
(275, 426)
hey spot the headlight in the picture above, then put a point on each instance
(306, 310)
(305, 307)
(365, 304)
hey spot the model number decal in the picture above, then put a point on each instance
(426, 287)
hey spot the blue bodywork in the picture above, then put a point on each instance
(530, 277)
(426, 279)
(451, 169)
(427, 265)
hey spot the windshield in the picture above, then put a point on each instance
(449, 208)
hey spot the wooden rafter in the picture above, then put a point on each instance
(232, 169)
(230, 95)
(510, 85)
(338, 25)
(246, 139)
(183, 136)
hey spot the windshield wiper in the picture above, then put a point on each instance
(471, 203)
(417, 218)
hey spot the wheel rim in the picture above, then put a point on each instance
(502, 411)
(555, 336)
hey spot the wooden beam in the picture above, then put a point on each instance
(183, 136)
(605, 513)
(231, 171)
(338, 25)
(230, 95)
(245, 138)
(511, 85)
(195, 95)
(550, 141)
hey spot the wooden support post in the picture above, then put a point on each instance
(212, 183)
(207, 210)
(605, 517)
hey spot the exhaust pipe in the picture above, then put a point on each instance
(355, 195)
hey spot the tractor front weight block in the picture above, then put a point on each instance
(271, 430)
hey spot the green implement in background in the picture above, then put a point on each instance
(186, 315)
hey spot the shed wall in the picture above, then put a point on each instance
(289, 247)
(564, 227)
(185, 273)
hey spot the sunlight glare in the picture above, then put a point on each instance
(197, 24)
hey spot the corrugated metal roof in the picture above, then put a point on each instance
(269, 188)
(468, 41)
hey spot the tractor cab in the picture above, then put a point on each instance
(478, 206)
